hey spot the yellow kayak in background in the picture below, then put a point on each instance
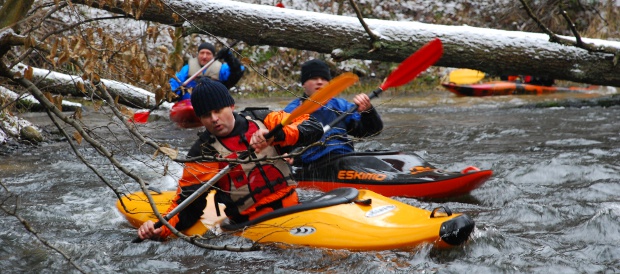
(345, 218)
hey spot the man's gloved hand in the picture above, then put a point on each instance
(222, 54)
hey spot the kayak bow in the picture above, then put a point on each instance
(182, 113)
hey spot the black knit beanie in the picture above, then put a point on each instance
(210, 95)
(206, 45)
(314, 68)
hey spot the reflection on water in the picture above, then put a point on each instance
(551, 207)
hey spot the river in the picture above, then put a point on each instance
(552, 205)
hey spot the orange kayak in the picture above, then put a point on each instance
(498, 88)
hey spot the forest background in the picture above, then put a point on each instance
(75, 39)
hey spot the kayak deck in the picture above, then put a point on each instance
(432, 187)
(389, 173)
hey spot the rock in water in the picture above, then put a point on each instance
(31, 134)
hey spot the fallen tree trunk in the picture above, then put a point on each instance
(489, 50)
(65, 84)
(28, 102)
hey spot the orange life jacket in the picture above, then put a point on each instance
(252, 185)
(256, 197)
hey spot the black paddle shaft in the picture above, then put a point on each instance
(373, 94)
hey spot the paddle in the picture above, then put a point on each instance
(405, 72)
(142, 117)
(335, 86)
(320, 98)
(465, 76)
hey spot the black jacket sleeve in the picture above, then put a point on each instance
(370, 124)
(310, 131)
(191, 214)
(236, 70)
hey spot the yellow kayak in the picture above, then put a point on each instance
(345, 218)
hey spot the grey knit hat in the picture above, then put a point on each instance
(210, 95)
(314, 68)
(207, 45)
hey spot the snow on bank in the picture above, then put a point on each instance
(30, 100)
(11, 125)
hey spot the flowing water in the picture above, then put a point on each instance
(552, 205)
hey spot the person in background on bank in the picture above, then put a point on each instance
(229, 72)
(364, 122)
(248, 190)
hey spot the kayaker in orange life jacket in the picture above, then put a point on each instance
(248, 190)
(228, 72)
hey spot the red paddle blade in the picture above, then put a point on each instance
(414, 64)
(140, 117)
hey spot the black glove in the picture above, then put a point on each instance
(222, 54)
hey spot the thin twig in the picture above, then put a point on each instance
(578, 42)
(373, 37)
(553, 37)
(571, 25)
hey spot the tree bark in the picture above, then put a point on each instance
(13, 11)
(492, 51)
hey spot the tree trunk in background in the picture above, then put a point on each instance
(63, 84)
(488, 50)
(13, 11)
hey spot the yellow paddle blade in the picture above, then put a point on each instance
(319, 98)
(465, 76)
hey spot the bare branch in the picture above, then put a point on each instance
(552, 36)
(374, 39)
(81, 157)
(87, 135)
(560, 40)
(572, 27)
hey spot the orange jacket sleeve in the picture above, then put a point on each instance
(291, 132)
(194, 175)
